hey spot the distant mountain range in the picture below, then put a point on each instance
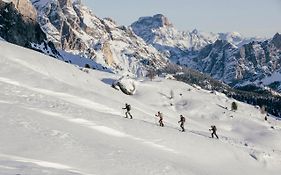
(60, 27)
(160, 32)
(228, 57)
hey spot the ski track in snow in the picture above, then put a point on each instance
(66, 97)
(83, 122)
(101, 108)
(5, 102)
(40, 163)
(7, 167)
(103, 129)
(97, 107)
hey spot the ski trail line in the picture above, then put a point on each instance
(66, 97)
(45, 164)
(103, 129)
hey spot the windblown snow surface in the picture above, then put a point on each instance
(58, 120)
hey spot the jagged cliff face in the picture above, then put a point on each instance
(74, 28)
(261, 60)
(276, 41)
(158, 31)
(25, 8)
(17, 25)
(228, 57)
(252, 63)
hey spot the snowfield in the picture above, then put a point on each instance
(56, 119)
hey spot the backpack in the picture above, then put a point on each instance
(128, 107)
(214, 128)
(183, 119)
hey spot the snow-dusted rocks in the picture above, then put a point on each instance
(229, 57)
(238, 66)
(158, 31)
(126, 84)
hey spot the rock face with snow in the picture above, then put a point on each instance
(74, 28)
(249, 64)
(228, 57)
(18, 25)
(24, 7)
(158, 31)
(214, 59)
(126, 85)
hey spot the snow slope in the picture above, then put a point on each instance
(57, 120)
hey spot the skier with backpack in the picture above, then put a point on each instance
(214, 131)
(182, 121)
(159, 114)
(128, 109)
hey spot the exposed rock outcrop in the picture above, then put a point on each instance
(249, 64)
(18, 25)
(18, 28)
(26, 8)
(126, 85)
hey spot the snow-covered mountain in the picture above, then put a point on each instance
(75, 29)
(252, 63)
(228, 57)
(54, 123)
(236, 38)
(160, 32)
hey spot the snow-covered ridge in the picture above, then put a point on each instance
(60, 123)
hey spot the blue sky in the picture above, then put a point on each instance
(248, 17)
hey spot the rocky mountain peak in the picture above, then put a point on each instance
(277, 40)
(195, 32)
(224, 44)
(77, 2)
(153, 22)
(163, 20)
(64, 3)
